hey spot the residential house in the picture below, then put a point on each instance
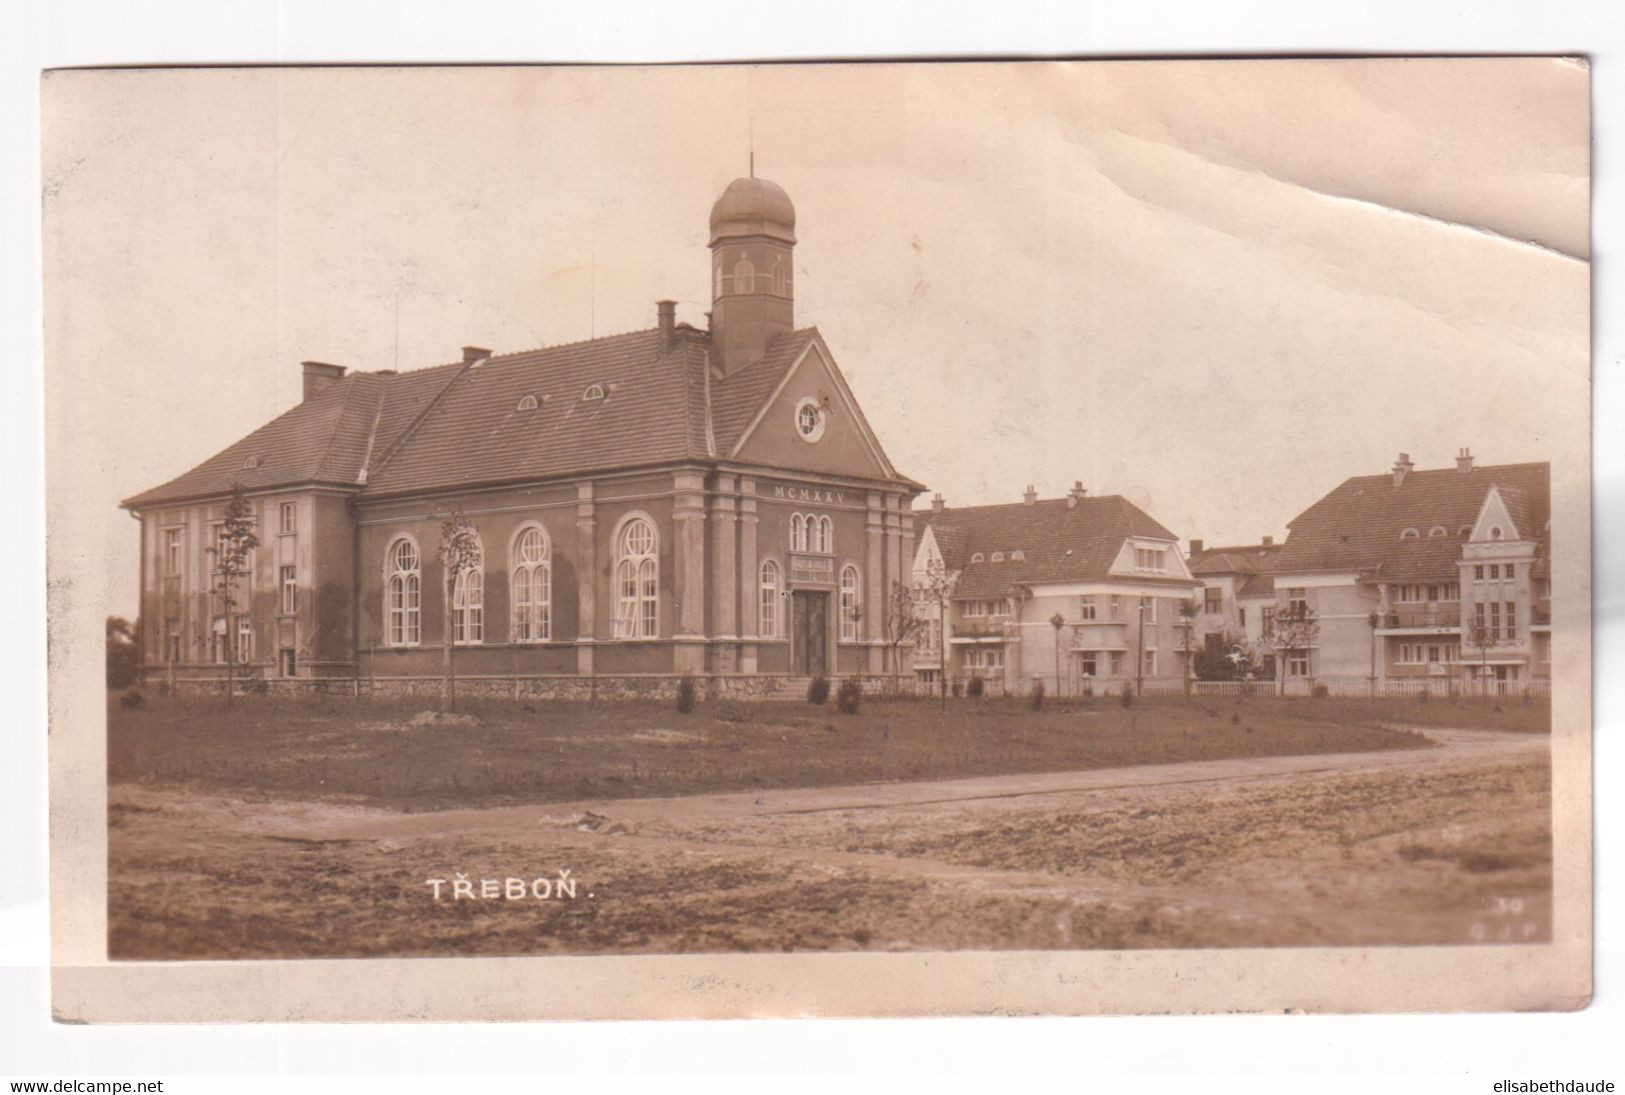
(1080, 592)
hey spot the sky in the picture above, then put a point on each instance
(1217, 288)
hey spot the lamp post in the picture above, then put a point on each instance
(1139, 654)
(1057, 621)
(1374, 619)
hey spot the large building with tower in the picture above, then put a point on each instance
(667, 501)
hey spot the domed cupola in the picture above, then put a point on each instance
(753, 207)
(753, 234)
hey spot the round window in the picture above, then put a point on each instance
(809, 419)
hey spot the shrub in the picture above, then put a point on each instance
(1037, 697)
(685, 694)
(818, 691)
(974, 687)
(1126, 696)
(132, 699)
(849, 696)
(1320, 692)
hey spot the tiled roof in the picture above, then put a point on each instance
(1250, 559)
(736, 399)
(1257, 585)
(1058, 542)
(456, 425)
(313, 442)
(1357, 526)
(653, 411)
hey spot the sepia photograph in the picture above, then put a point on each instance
(810, 520)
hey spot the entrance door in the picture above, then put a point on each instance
(809, 620)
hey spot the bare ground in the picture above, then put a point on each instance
(1442, 845)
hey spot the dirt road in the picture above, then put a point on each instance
(1450, 844)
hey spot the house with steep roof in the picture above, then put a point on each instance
(1082, 593)
(1236, 604)
(1438, 578)
(666, 501)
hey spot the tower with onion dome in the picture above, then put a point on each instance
(753, 236)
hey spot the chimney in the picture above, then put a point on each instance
(1196, 548)
(1077, 492)
(667, 311)
(318, 375)
(1029, 496)
(474, 354)
(1402, 468)
(1464, 460)
(1269, 541)
(936, 502)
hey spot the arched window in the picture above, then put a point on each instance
(1018, 556)
(1437, 530)
(849, 604)
(403, 594)
(824, 536)
(532, 587)
(637, 581)
(998, 556)
(718, 292)
(468, 603)
(1495, 532)
(744, 277)
(594, 391)
(527, 403)
(769, 618)
(1409, 534)
(778, 279)
(977, 557)
(798, 532)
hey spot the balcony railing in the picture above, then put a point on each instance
(1424, 617)
(978, 631)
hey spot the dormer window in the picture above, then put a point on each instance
(594, 391)
(251, 463)
(1495, 532)
(1437, 530)
(1411, 534)
(998, 556)
(1018, 556)
(978, 557)
(528, 403)
(1154, 560)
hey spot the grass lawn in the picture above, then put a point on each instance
(369, 752)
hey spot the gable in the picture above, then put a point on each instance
(846, 446)
(926, 553)
(1495, 515)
